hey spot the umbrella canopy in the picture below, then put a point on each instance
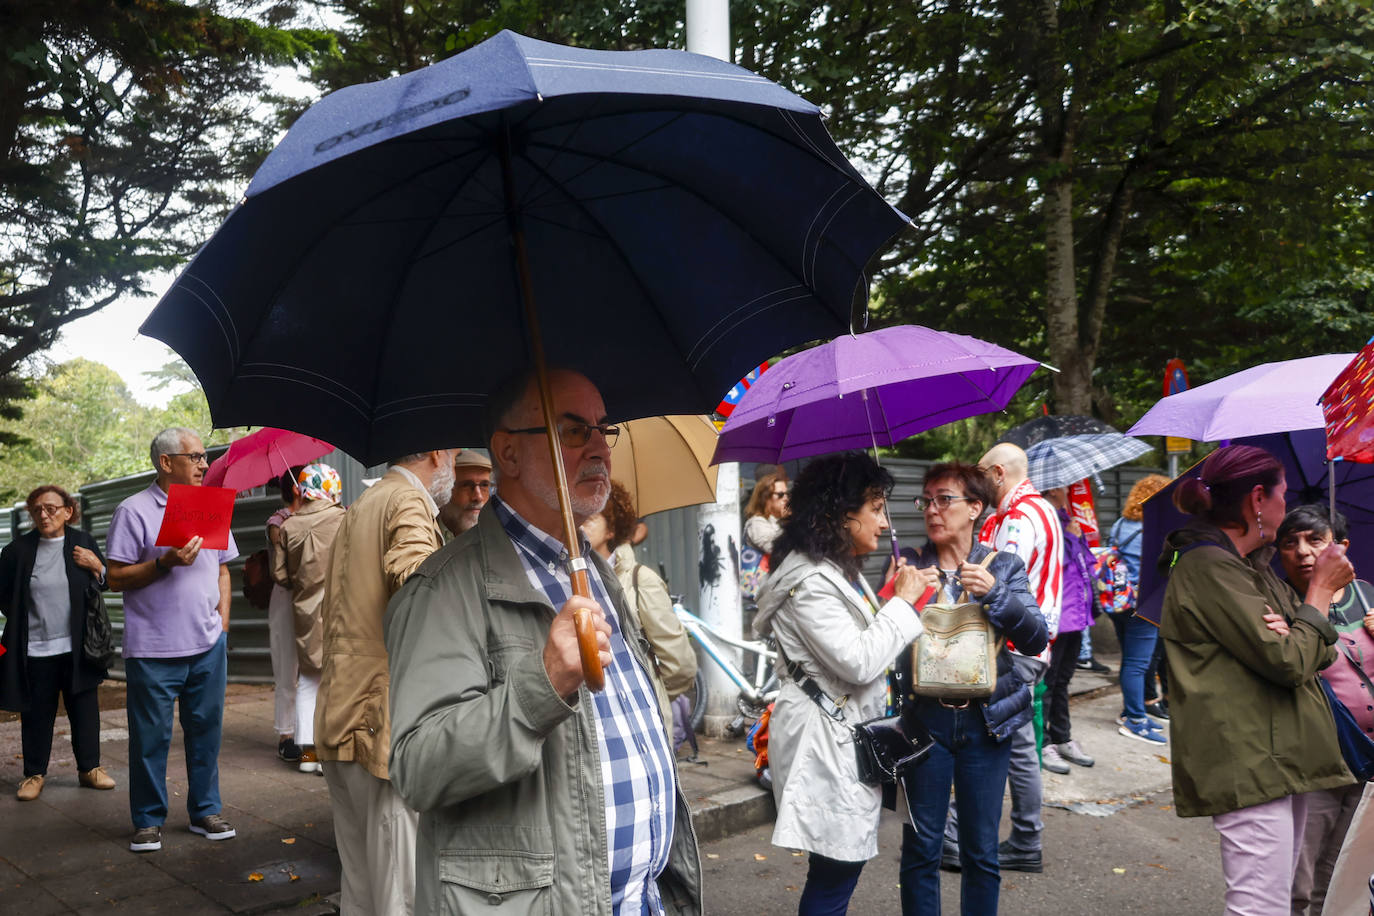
(664, 462)
(1303, 454)
(683, 220)
(1271, 398)
(1055, 427)
(1068, 459)
(263, 455)
(1346, 407)
(869, 389)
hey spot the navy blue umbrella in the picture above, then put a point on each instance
(681, 220)
(1303, 454)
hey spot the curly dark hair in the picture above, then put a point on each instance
(620, 515)
(826, 493)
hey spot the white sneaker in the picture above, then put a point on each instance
(1050, 760)
(1073, 753)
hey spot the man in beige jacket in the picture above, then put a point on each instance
(385, 535)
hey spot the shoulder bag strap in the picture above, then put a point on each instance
(965, 598)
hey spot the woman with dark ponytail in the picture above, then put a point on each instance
(1250, 726)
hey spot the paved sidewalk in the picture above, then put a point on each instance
(68, 852)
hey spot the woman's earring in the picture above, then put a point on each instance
(1259, 520)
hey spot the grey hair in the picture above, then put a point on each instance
(168, 442)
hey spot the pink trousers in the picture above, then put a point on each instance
(1260, 846)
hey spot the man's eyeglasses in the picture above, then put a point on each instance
(44, 511)
(941, 502)
(483, 485)
(575, 435)
(195, 457)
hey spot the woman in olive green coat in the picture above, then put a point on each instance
(1250, 726)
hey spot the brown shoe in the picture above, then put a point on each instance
(310, 763)
(96, 778)
(30, 788)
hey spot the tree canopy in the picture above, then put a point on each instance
(125, 130)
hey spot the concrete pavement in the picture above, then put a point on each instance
(67, 852)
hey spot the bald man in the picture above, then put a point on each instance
(530, 786)
(1027, 525)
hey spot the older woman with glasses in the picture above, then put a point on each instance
(44, 578)
(972, 750)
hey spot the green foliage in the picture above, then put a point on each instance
(83, 425)
(125, 130)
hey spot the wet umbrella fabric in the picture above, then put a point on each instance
(263, 455)
(874, 388)
(1066, 460)
(1303, 454)
(1270, 398)
(665, 462)
(684, 219)
(1056, 426)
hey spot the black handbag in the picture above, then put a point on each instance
(884, 747)
(97, 645)
(887, 750)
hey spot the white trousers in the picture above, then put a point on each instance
(307, 688)
(1260, 846)
(281, 640)
(375, 835)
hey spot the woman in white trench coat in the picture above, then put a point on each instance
(831, 631)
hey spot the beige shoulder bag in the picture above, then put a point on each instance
(956, 655)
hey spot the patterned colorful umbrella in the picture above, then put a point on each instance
(1346, 405)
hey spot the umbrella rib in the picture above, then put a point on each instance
(803, 281)
(620, 253)
(396, 292)
(564, 147)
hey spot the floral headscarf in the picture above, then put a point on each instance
(320, 481)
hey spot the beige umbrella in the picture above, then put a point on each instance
(665, 462)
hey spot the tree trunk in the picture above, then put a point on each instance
(1072, 385)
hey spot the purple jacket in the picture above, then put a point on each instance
(1077, 613)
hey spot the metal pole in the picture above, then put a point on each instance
(708, 28)
(708, 33)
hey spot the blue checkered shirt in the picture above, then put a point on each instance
(636, 761)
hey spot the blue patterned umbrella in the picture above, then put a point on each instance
(1069, 459)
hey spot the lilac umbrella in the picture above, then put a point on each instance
(1271, 398)
(866, 390)
(1303, 454)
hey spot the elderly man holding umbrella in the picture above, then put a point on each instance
(482, 643)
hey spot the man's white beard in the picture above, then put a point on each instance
(441, 487)
(546, 491)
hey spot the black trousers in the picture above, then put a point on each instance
(1063, 657)
(47, 677)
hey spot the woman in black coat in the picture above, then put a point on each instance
(45, 576)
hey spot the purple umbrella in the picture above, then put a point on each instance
(866, 390)
(1271, 398)
(1303, 453)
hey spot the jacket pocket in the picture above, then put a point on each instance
(496, 881)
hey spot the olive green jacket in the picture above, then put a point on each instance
(505, 774)
(1248, 721)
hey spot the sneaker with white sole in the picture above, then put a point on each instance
(213, 827)
(1142, 730)
(1072, 751)
(146, 839)
(1050, 760)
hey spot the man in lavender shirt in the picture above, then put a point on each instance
(176, 615)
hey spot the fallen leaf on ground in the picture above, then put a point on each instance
(798, 854)
(759, 857)
(1162, 758)
(791, 887)
(295, 877)
(255, 876)
(1157, 865)
(713, 855)
(1118, 871)
(288, 840)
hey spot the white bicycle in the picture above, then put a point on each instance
(757, 688)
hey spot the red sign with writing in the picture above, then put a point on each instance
(1083, 511)
(203, 512)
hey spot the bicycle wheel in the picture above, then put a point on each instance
(696, 699)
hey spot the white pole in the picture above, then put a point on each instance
(708, 32)
(708, 28)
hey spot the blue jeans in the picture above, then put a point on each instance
(154, 684)
(1138, 638)
(976, 763)
(829, 885)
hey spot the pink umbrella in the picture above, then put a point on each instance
(258, 457)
